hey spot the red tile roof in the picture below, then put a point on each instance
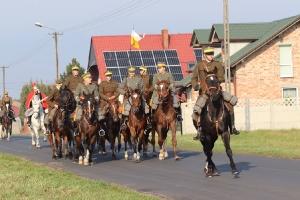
(179, 42)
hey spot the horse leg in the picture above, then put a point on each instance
(65, 146)
(86, 151)
(8, 133)
(134, 141)
(174, 140)
(103, 149)
(125, 144)
(58, 144)
(119, 141)
(50, 138)
(142, 140)
(160, 142)
(92, 146)
(112, 140)
(32, 131)
(37, 138)
(153, 141)
(226, 142)
(208, 153)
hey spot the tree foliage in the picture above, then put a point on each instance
(68, 71)
(26, 89)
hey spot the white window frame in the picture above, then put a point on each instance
(290, 88)
(291, 59)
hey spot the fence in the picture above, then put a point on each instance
(253, 114)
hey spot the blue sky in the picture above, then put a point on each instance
(28, 50)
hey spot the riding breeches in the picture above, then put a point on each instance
(156, 102)
(78, 113)
(128, 103)
(51, 115)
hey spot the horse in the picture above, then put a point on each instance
(136, 124)
(88, 129)
(7, 120)
(112, 121)
(66, 106)
(147, 98)
(165, 118)
(37, 121)
(1, 132)
(215, 120)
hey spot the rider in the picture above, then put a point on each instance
(7, 99)
(52, 101)
(29, 98)
(86, 87)
(134, 82)
(162, 75)
(73, 80)
(147, 80)
(208, 64)
(105, 87)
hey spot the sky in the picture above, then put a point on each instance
(28, 50)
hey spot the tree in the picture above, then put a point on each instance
(68, 71)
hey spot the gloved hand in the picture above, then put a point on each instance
(197, 87)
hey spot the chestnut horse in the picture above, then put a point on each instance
(215, 120)
(88, 129)
(112, 121)
(165, 118)
(136, 123)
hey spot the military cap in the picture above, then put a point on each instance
(142, 67)
(131, 68)
(75, 67)
(208, 50)
(161, 64)
(5, 92)
(58, 82)
(108, 73)
(87, 75)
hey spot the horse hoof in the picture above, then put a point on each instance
(117, 150)
(154, 154)
(32, 144)
(166, 154)
(177, 158)
(38, 147)
(235, 172)
(145, 155)
(86, 163)
(45, 140)
(104, 153)
(126, 158)
(161, 158)
(8, 139)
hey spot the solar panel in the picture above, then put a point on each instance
(118, 62)
(198, 54)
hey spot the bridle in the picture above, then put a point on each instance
(137, 108)
(162, 96)
(113, 112)
(68, 102)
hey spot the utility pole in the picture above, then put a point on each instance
(226, 46)
(3, 78)
(56, 51)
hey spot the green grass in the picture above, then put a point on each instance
(276, 143)
(20, 179)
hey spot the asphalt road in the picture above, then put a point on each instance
(259, 178)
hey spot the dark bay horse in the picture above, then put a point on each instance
(215, 120)
(165, 118)
(112, 121)
(66, 106)
(88, 129)
(136, 124)
(7, 120)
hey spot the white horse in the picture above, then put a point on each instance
(37, 121)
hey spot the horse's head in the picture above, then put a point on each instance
(66, 99)
(136, 99)
(163, 89)
(212, 84)
(113, 109)
(88, 104)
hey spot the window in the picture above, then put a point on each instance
(191, 64)
(285, 56)
(289, 92)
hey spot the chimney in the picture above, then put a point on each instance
(165, 38)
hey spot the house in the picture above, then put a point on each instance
(264, 58)
(115, 53)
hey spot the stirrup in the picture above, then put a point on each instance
(179, 118)
(76, 133)
(101, 132)
(123, 127)
(47, 132)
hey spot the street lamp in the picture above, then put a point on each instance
(55, 33)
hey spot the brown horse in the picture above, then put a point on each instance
(88, 129)
(112, 121)
(136, 123)
(7, 120)
(165, 118)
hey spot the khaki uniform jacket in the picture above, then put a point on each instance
(199, 73)
(53, 99)
(148, 81)
(107, 87)
(162, 77)
(87, 89)
(135, 82)
(6, 100)
(72, 82)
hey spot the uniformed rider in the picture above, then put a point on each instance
(163, 75)
(7, 99)
(73, 80)
(87, 87)
(52, 102)
(108, 90)
(208, 64)
(134, 82)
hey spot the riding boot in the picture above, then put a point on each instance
(148, 126)
(75, 126)
(13, 118)
(179, 118)
(102, 130)
(152, 116)
(233, 131)
(124, 124)
(29, 121)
